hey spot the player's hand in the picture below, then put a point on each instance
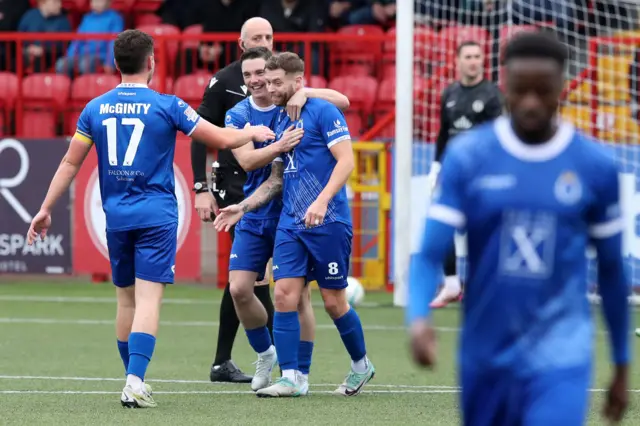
(423, 344)
(39, 227)
(290, 138)
(295, 104)
(315, 214)
(261, 133)
(206, 206)
(617, 396)
(227, 217)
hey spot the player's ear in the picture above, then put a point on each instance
(241, 44)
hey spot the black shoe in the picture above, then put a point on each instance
(228, 372)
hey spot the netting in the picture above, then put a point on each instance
(602, 94)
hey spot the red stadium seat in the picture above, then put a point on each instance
(423, 52)
(168, 85)
(317, 81)
(171, 47)
(123, 6)
(192, 30)
(190, 88)
(8, 94)
(83, 89)
(356, 57)
(45, 97)
(147, 19)
(361, 91)
(386, 101)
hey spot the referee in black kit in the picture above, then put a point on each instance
(470, 101)
(226, 89)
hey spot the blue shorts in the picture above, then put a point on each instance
(145, 253)
(253, 245)
(553, 398)
(321, 253)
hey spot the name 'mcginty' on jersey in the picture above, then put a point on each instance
(134, 131)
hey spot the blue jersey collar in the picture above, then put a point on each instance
(131, 85)
(533, 153)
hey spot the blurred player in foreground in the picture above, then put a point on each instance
(255, 234)
(466, 103)
(314, 231)
(134, 131)
(531, 192)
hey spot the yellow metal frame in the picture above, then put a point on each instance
(370, 166)
(370, 177)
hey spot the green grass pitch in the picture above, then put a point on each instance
(59, 365)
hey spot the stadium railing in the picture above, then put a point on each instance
(38, 103)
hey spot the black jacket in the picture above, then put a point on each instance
(463, 107)
(225, 89)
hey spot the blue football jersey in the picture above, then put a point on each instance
(134, 131)
(529, 213)
(247, 112)
(308, 167)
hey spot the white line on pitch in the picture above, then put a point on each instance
(229, 392)
(55, 321)
(86, 299)
(220, 392)
(151, 380)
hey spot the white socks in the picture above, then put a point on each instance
(361, 366)
(289, 374)
(452, 285)
(269, 351)
(135, 382)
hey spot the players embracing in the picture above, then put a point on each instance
(314, 230)
(258, 215)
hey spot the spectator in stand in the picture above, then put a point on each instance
(220, 16)
(87, 55)
(47, 17)
(297, 16)
(340, 10)
(183, 13)
(380, 12)
(10, 13)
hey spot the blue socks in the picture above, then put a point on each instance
(123, 348)
(286, 334)
(259, 339)
(352, 335)
(141, 346)
(305, 350)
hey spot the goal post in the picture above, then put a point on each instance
(601, 96)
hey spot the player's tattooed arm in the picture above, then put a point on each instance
(266, 192)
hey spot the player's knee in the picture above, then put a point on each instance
(240, 291)
(286, 295)
(335, 303)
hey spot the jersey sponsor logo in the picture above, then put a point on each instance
(568, 189)
(463, 123)
(233, 256)
(191, 114)
(128, 108)
(97, 223)
(290, 162)
(212, 82)
(339, 128)
(477, 106)
(451, 104)
(495, 182)
(527, 244)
